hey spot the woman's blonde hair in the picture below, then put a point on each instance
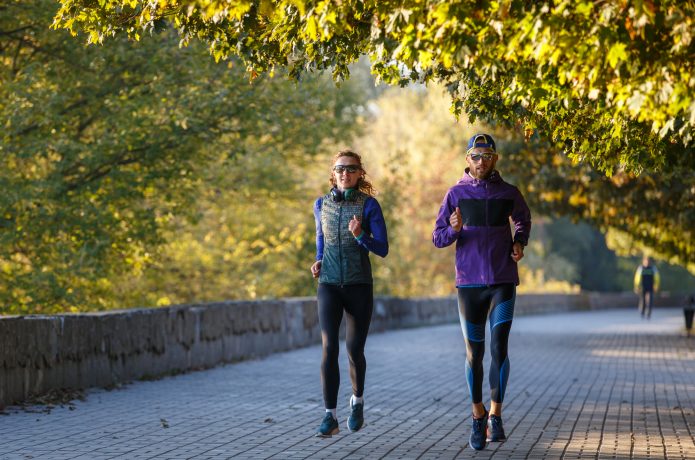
(363, 185)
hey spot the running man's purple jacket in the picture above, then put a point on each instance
(484, 243)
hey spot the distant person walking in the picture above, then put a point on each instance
(689, 312)
(349, 225)
(475, 214)
(647, 280)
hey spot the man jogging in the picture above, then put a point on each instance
(647, 282)
(475, 214)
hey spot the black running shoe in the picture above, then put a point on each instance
(356, 418)
(495, 430)
(478, 436)
(329, 426)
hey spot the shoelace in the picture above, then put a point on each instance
(478, 423)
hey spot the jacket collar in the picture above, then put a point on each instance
(470, 180)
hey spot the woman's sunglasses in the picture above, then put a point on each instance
(339, 169)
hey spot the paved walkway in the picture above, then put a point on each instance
(583, 385)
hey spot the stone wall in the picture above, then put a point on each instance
(41, 353)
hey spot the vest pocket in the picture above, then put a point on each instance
(356, 267)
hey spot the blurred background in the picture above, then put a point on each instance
(145, 174)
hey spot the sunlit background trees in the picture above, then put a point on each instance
(145, 173)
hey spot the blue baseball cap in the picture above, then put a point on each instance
(484, 141)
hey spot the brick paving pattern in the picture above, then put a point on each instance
(600, 385)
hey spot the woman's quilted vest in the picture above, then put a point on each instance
(344, 260)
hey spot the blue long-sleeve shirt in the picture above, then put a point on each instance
(374, 237)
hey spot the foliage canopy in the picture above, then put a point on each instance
(103, 150)
(144, 173)
(655, 210)
(418, 144)
(611, 83)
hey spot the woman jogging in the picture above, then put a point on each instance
(349, 225)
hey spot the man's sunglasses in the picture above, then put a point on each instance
(339, 169)
(481, 156)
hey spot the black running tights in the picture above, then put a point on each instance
(474, 304)
(357, 300)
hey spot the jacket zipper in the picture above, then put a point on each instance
(340, 243)
(487, 234)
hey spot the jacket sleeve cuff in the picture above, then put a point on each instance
(519, 239)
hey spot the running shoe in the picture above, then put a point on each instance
(478, 436)
(495, 430)
(329, 426)
(356, 418)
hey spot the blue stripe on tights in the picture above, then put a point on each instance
(502, 313)
(475, 332)
(504, 376)
(469, 378)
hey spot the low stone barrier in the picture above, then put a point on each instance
(41, 353)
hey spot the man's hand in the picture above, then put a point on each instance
(517, 252)
(355, 226)
(316, 269)
(456, 220)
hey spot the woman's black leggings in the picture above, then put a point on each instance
(358, 302)
(474, 304)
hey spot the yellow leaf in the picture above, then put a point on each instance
(312, 28)
(616, 54)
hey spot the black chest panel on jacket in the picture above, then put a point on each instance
(475, 214)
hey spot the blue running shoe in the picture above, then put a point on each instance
(329, 427)
(356, 418)
(495, 430)
(478, 436)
